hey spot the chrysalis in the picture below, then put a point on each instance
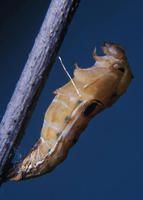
(75, 104)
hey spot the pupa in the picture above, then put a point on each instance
(89, 92)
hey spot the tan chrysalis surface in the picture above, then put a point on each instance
(97, 88)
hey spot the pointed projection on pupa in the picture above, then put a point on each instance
(70, 111)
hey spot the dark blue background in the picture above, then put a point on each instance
(107, 161)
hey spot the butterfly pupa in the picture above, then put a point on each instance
(97, 88)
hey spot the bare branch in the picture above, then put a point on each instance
(33, 77)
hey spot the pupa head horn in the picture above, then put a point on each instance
(113, 49)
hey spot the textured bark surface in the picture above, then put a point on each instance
(33, 77)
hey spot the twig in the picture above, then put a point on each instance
(33, 78)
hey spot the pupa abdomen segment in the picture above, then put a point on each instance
(70, 111)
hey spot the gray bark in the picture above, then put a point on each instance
(33, 77)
